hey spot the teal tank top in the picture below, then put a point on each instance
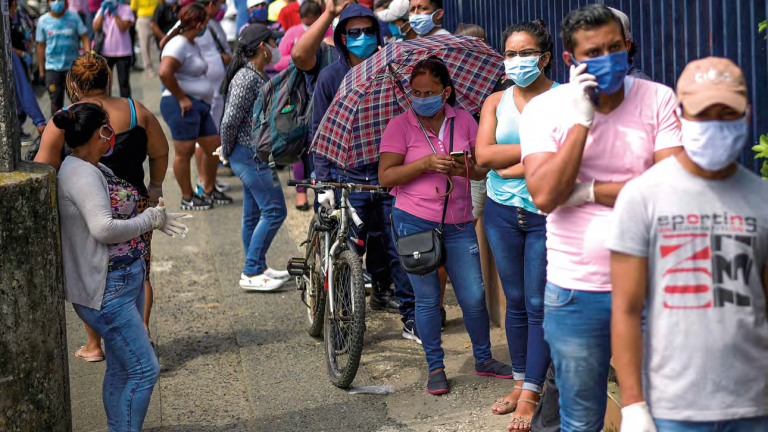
(510, 192)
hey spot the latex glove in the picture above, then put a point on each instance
(582, 194)
(155, 190)
(583, 112)
(172, 226)
(327, 199)
(157, 216)
(220, 153)
(637, 418)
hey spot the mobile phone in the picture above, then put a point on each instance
(592, 92)
(458, 156)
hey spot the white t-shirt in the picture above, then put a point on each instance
(706, 335)
(211, 54)
(192, 73)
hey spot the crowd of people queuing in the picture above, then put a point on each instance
(619, 221)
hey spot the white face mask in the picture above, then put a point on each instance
(276, 55)
(713, 145)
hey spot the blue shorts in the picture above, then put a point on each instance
(196, 122)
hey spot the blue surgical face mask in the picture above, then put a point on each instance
(396, 32)
(201, 31)
(522, 70)
(363, 46)
(57, 7)
(422, 23)
(259, 15)
(609, 71)
(428, 106)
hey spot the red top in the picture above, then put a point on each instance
(289, 16)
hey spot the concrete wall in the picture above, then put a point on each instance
(34, 381)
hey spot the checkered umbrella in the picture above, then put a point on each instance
(369, 97)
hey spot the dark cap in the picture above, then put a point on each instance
(252, 35)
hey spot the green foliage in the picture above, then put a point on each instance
(762, 153)
(762, 26)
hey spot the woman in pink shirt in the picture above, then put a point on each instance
(415, 160)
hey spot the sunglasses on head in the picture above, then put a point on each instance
(356, 32)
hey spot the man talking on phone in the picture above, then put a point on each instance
(580, 144)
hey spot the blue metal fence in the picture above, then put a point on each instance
(669, 34)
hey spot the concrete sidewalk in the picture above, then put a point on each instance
(237, 361)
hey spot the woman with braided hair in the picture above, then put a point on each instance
(264, 207)
(138, 136)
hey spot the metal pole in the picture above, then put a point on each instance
(10, 147)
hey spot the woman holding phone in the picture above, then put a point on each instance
(415, 160)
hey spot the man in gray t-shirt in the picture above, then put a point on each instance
(689, 245)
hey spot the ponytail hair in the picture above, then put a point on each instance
(243, 52)
(79, 122)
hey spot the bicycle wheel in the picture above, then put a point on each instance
(314, 289)
(345, 329)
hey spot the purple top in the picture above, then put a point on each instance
(116, 43)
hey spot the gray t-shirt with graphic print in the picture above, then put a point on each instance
(706, 340)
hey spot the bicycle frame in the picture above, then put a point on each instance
(345, 215)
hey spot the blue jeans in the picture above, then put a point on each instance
(263, 208)
(577, 325)
(518, 241)
(754, 424)
(463, 266)
(132, 367)
(374, 211)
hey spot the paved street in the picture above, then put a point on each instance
(238, 361)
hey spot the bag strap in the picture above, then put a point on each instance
(447, 182)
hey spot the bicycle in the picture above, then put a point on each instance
(330, 280)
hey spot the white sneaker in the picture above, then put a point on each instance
(259, 283)
(282, 275)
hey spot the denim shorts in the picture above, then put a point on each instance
(195, 123)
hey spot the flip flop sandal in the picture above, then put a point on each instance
(526, 421)
(508, 407)
(93, 359)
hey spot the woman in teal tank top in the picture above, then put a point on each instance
(515, 228)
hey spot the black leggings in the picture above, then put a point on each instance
(123, 73)
(55, 83)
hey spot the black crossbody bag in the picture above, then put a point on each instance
(424, 252)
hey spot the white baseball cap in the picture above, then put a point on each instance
(252, 3)
(396, 10)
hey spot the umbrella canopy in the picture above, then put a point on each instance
(369, 97)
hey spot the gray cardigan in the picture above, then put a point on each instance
(87, 227)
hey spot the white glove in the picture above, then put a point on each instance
(172, 226)
(155, 192)
(327, 199)
(582, 194)
(218, 152)
(157, 216)
(637, 418)
(583, 112)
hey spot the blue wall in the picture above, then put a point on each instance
(669, 33)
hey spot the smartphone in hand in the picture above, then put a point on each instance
(592, 92)
(459, 156)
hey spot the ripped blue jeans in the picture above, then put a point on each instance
(463, 267)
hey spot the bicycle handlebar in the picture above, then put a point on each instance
(332, 185)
